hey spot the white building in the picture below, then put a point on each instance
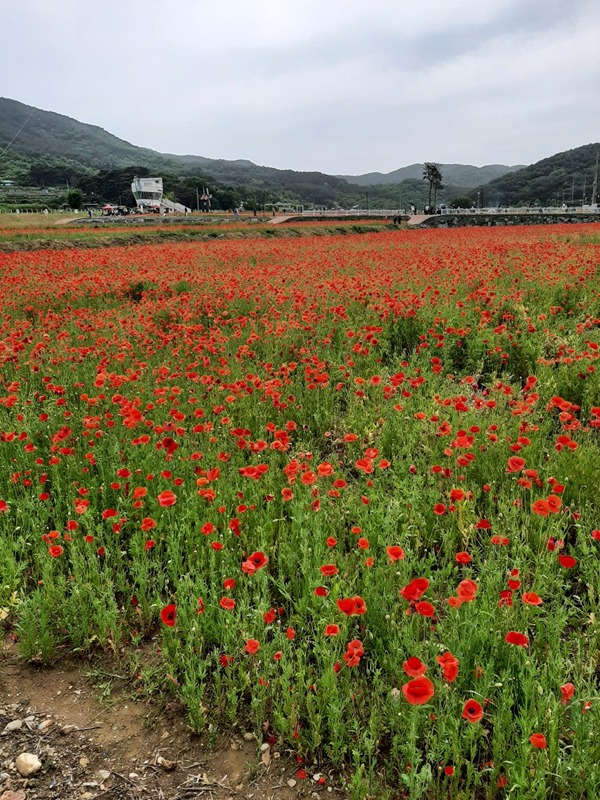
(148, 193)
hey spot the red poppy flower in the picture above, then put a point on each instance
(472, 711)
(332, 630)
(531, 599)
(56, 550)
(414, 667)
(449, 665)
(167, 498)
(329, 569)
(568, 562)
(418, 691)
(463, 558)
(439, 509)
(567, 691)
(540, 507)
(321, 591)
(252, 646)
(425, 609)
(518, 639)
(352, 606)
(254, 562)
(227, 603)
(515, 464)
(395, 553)
(413, 591)
(466, 590)
(554, 503)
(269, 616)
(169, 614)
(538, 740)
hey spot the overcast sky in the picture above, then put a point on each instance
(339, 86)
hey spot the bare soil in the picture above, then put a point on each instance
(118, 748)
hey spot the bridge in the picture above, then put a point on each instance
(452, 218)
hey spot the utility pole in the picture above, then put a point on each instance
(367, 199)
(595, 184)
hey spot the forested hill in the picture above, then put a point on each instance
(463, 175)
(41, 148)
(562, 178)
(44, 135)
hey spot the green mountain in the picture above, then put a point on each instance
(460, 175)
(41, 136)
(562, 178)
(40, 149)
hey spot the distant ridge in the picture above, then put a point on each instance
(463, 175)
(42, 148)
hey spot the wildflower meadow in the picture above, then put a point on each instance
(346, 488)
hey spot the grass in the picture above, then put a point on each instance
(243, 452)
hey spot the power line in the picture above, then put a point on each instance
(18, 132)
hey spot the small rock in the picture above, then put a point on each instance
(15, 725)
(86, 796)
(133, 776)
(248, 736)
(11, 794)
(45, 725)
(103, 775)
(167, 765)
(265, 754)
(66, 729)
(291, 782)
(83, 762)
(28, 764)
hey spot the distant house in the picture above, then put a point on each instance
(4, 182)
(148, 193)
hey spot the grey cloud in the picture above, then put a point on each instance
(339, 86)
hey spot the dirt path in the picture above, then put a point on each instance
(121, 749)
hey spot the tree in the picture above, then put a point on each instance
(461, 202)
(75, 198)
(432, 174)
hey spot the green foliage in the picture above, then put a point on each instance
(433, 175)
(75, 198)
(551, 181)
(461, 202)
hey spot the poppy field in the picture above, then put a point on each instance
(346, 486)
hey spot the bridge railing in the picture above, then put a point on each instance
(392, 212)
(355, 212)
